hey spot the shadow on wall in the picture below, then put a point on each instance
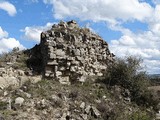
(34, 62)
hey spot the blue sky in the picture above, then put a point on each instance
(131, 27)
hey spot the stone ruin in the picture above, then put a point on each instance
(70, 53)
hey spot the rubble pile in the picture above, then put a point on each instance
(71, 53)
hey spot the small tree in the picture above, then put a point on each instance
(128, 74)
(15, 49)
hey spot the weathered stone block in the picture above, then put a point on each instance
(59, 52)
(52, 55)
(64, 80)
(76, 52)
(58, 73)
(73, 68)
(62, 68)
(54, 62)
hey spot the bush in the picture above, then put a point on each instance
(18, 58)
(128, 73)
(3, 105)
(21, 62)
(140, 115)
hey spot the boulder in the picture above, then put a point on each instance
(82, 105)
(87, 109)
(8, 81)
(95, 112)
(20, 72)
(19, 101)
(3, 83)
(64, 80)
(60, 52)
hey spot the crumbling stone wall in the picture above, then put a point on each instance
(71, 53)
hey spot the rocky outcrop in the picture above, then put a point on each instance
(14, 71)
(14, 78)
(71, 53)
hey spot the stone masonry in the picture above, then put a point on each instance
(71, 53)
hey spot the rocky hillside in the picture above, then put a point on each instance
(65, 78)
(50, 100)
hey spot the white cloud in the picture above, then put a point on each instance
(156, 28)
(126, 41)
(152, 66)
(33, 33)
(154, 21)
(8, 44)
(145, 45)
(8, 7)
(3, 33)
(101, 10)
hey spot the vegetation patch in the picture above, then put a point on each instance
(128, 74)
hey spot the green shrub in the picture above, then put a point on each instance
(128, 74)
(4, 57)
(15, 56)
(73, 94)
(155, 81)
(21, 62)
(3, 105)
(140, 115)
